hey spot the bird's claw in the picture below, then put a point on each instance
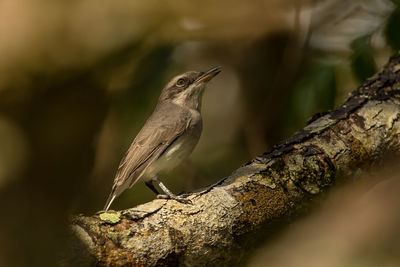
(176, 198)
(184, 194)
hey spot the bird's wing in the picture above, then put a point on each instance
(147, 147)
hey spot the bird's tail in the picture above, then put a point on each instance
(110, 200)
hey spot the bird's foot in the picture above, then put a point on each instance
(176, 198)
(162, 196)
(184, 194)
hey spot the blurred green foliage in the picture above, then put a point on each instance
(392, 29)
(313, 92)
(362, 59)
(144, 84)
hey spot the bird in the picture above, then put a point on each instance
(168, 136)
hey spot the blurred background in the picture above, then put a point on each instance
(79, 78)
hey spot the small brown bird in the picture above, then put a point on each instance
(168, 136)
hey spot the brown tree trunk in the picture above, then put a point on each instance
(224, 220)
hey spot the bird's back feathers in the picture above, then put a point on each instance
(149, 144)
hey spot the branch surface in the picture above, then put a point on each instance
(221, 225)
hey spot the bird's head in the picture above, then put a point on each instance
(187, 89)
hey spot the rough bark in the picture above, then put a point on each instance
(222, 222)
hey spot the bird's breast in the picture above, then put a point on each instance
(179, 150)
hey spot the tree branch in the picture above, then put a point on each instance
(220, 225)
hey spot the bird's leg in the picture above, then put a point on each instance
(150, 185)
(169, 194)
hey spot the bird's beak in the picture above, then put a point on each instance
(207, 75)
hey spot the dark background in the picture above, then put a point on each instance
(79, 78)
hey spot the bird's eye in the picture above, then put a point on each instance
(181, 82)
